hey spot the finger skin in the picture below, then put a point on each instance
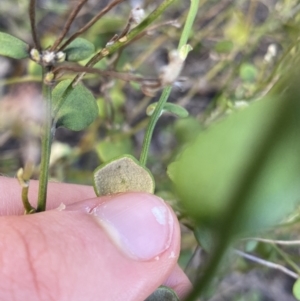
(65, 255)
(10, 195)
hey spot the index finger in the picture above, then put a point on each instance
(11, 202)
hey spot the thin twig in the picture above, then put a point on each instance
(277, 242)
(266, 263)
(33, 25)
(110, 49)
(68, 24)
(123, 76)
(91, 23)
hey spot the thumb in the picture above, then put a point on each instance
(114, 248)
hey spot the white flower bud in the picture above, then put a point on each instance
(137, 14)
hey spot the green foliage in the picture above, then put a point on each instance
(78, 50)
(114, 147)
(224, 46)
(296, 289)
(172, 108)
(122, 174)
(211, 170)
(248, 72)
(13, 47)
(79, 108)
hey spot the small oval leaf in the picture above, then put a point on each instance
(122, 175)
(13, 47)
(78, 50)
(163, 293)
(78, 110)
(170, 108)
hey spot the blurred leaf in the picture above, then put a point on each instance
(118, 97)
(78, 110)
(34, 69)
(204, 237)
(113, 147)
(212, 169)
(248, 72)
(296, 289)
(237, 30)
(122, 174)
(13, 47)
(187, 129)
(79, 50)
(224, 46)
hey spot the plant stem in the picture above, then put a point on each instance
(33, 25)
(46, 148)
(166, 92)
(189, 23)
(150, 128)
(132, 34)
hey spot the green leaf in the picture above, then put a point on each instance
(34, 69)
(113, 147)
(79, 50)
(78, 110)
(13, 47)
(248, 72)
(213, 169)
(163, 293)
(173, 108)
(224, 46)
(122, 174)
(187, 129)
(296, 289)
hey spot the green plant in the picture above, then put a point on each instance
(70, 104)
(234, 176)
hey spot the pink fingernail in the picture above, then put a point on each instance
(140, 224)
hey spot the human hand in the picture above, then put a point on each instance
(120, 247)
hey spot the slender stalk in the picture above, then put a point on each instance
(266, 263)
(33, 25)
(91, 23)
(189, 23)
(46, 149)
(68, 24)
(150, 128)
(275, 242)
(132, 34)
(24, 179)
(287, 259)
(167, 91)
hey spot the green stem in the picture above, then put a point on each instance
(166, 92)
(287, 259)
(132, 34)
(150, 128)
(46, 149)
(189, 23)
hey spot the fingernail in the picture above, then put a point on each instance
(141, 225)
